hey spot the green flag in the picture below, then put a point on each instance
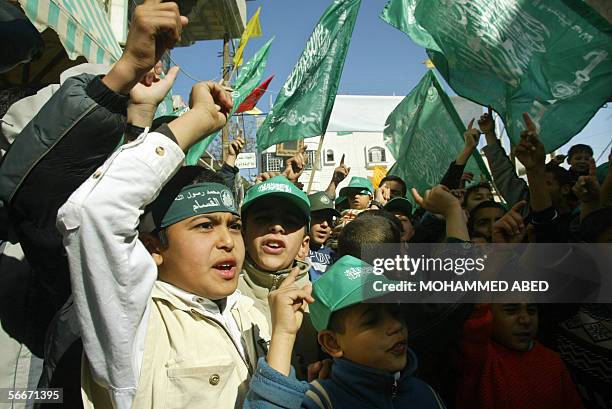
(424, 134)
(305, 102)
(248, 79)
(551, 59)
(400, 14)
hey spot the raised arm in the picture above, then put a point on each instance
(112, 273)
(512, 188)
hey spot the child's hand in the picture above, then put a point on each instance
(486, 123)
(235, 147)
(319, 370)
(471, 137)
(341, 172)
(587, 188)
(295, 165)
(530, 151)
(511, 227)
(439, 200)
(382, 195)
(213, 101)
(287, 305)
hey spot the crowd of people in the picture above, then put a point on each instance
(185, 295)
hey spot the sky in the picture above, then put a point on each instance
(381, 60)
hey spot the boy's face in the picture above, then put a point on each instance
(407, 226)
(484, 220)
(321, 223)
(579, 162)
(204, 255)
(274, 235)
(515, 325)
(477, 196)
(358, 200)
(374, 336)
(556, 191)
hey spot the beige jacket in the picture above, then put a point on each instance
(257, 284)
(190, 359)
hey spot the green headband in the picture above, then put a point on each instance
(201, 198)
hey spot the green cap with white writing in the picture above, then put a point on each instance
(279, 187)
(347, 282)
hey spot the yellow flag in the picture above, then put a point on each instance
(429, 64)
(253, 29)
(379, 173)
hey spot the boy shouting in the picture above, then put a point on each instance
(276, 218)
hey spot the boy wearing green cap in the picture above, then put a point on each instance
(276, 218)
(322, 218)
(359, 192)
(161, 321)
(372, 365)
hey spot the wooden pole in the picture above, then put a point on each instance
(226, 78)
(316, 164)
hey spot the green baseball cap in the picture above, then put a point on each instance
(357, 182)
(282, 188)
(320, 201)
(347, 282)
(400, 204)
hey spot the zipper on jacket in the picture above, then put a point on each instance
(394, 389)
(244, 358)
(275, 281)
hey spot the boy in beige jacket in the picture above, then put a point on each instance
(161, 321)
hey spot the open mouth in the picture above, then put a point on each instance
(523, 336)
(273, 246)
(399, 348)
(226, 268)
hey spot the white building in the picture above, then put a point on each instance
(355, 130)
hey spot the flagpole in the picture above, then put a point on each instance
(316, 164)
(226, 77)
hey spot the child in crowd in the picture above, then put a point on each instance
(359, 193)
(578, 157)
(503, 366)
(161, 321)
(276, 220)
(402, 209)
(372, 368)
(483, 216)
(476, 194)
(322, 220)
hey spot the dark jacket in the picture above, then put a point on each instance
(69, 138)
(350, 386)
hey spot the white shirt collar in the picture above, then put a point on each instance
(200, 303)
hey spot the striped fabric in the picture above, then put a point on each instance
(82, 26)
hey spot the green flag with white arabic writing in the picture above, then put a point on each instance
(552, 59)
(249, 78)
(305, 102)
(424, 134)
